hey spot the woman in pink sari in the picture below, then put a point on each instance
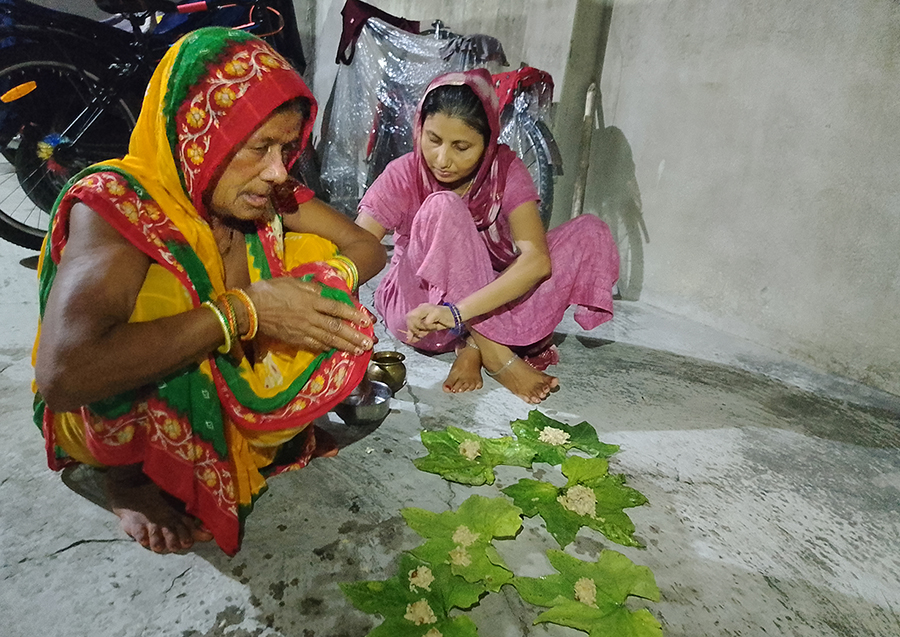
(473, 269)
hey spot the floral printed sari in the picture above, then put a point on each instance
(209, 433)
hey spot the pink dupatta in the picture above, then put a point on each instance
(485, 196)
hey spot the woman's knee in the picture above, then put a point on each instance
(590, 224)
(585, 229)
(443, 207)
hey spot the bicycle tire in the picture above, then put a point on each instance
(627, 233)
(35, 163)
(523, 134)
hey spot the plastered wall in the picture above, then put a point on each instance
(762, 140)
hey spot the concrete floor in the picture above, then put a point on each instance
(773, 499)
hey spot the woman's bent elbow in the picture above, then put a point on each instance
(55, 386)
(546, 268)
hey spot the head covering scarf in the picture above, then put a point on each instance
(204, 434)
(485, 196)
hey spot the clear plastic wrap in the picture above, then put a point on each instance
(369, 119)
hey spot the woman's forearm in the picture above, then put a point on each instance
(124, 357)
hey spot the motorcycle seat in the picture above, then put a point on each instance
(135, 6)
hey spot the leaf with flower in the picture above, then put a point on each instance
(551, 439)
(461, 456)
(592, 498)
(463, 538)
(417, 600)
(590, 596)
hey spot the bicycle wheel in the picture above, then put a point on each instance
(528, 140)
(36, 156)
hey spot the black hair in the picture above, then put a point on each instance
(461, 102)
(299, 104)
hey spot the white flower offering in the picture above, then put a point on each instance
(471, 449)
(464, 537)
(421, 577)
(586, 592)
(553, 436)
(420, 613)
(579, 499)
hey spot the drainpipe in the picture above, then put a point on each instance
(587, 132)
(587, 124)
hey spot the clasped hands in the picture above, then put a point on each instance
(296, 313)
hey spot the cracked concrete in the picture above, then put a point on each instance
(773, 499)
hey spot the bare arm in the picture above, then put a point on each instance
(367, 222)
(89, 351)
(530, 268)
(361, 247)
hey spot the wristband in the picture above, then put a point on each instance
(459, 327)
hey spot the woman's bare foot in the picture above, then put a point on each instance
(512, 372)
(525, 381)
(145, 515)
(465, 374)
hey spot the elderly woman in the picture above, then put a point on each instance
(472, 267)
(197, 307)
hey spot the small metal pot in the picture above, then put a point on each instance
(388, 368)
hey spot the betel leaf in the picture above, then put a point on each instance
(564, 437)
(600, 506)
(590, 596)
(446, 455)
(462, 538)
(417, 600)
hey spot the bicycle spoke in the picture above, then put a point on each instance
(44, 122)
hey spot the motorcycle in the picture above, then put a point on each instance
(71, 87)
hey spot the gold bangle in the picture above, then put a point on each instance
(341, 267)
(252, 314)
(220, 316)
(230, 315)
(350, 269)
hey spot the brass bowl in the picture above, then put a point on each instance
(388, 368)
(370, 404)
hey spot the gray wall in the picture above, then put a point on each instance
(765, 138)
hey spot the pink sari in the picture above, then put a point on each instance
(447, 247)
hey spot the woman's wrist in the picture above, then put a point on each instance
(464, 314)
(459, 327)
(236, 315)
(246, 316)
(242, 318)
(219, 310)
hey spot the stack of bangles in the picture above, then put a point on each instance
(228, 319)
(346, 267)
(459, 328)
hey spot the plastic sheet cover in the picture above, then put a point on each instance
(369, 119)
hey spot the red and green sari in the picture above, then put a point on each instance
(210, 433)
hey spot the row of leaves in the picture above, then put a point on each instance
(458, 563)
